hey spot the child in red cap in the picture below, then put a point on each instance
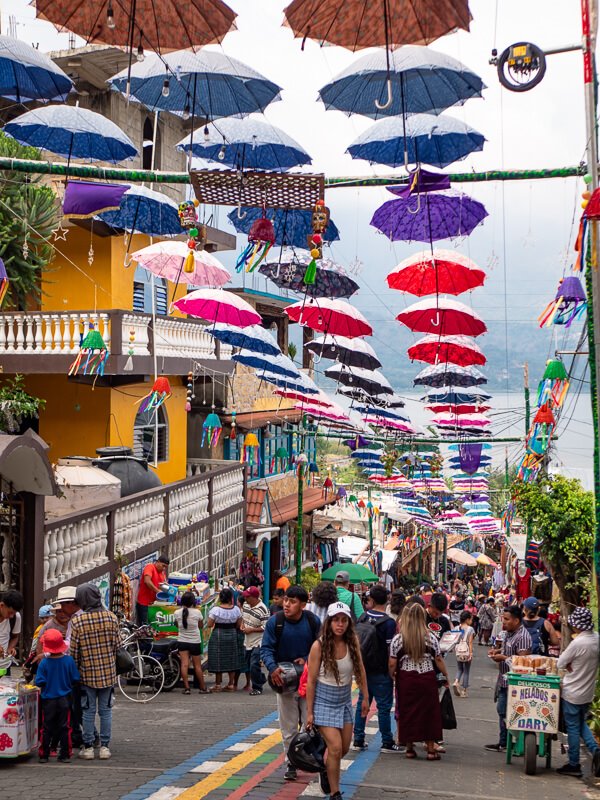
(56, 674)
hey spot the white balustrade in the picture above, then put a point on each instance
(183, 339)
(72, 548)
(228, 490)
(38, 332)
(139, 523)
(188, 505)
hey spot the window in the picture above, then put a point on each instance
(151, 160)
(142, 292)
(145, 427)
(276, 441)
(233, 452)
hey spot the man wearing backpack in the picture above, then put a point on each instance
(346, 595)
(288, 637)
(375, 630)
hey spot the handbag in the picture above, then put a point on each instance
(447, 707)
(123, 661)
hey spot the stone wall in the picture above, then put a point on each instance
(247, 393)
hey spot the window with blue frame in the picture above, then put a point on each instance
(277, 441)
(232, 451)
(277, 450)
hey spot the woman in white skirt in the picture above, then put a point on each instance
(333, 659)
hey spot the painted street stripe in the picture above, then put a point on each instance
(253, 782)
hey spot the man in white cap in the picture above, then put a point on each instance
(580, 659)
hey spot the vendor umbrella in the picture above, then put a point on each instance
(335, 317)
(440, 272)
(217, 305)
(291, 226)
(357, 573)
(168, 260)
(350, 352)
(28, 74)
(254, 338)
(290, 269)
(442, 317)
(455, 349)
(146, 211)
(460, 557)
(449, 375)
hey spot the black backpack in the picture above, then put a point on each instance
(373, 649)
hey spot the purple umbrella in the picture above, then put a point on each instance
(428, 217)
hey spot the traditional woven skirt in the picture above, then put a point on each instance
(418, 707)
(223, 650)
(333, 705)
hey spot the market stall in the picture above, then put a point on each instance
(18, 718)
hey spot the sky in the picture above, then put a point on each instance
(525, 244)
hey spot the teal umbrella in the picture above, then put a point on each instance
(357, 573)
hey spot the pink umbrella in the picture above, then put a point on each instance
(381, 422)
(316, 400)
(435, 349)
(462, 421)
(463, 408)
(442, 317)
(167, 260)
(335, 317)
(217, 305)
(336, 414)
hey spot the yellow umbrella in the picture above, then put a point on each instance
(460, 557)
(485, 561)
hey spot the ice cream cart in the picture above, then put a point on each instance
(532, 712)
(18, 718)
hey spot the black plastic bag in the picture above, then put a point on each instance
(447, 706)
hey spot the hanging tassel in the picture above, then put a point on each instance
(310, 276)
(188, 264)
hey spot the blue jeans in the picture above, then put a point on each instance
(501, 703)
(381, 687)
(462, 675)
(253, 667)
(104, 700)
(577, 729)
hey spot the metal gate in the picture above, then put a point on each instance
(12, 537)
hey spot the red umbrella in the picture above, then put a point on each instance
(463, 408)
(443, 349)
(330, 316)
(440, 272)
(442, 317)
(315, 400)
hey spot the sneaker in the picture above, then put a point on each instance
(359, 746)
(392, 747)
(87, 753)
(104, 752)
(336, 796)
(43, 759)
(596, 763)
(569, 769)
(324, 782)
(64, 759)
(290, 774)
(494, 748)
(456, 688)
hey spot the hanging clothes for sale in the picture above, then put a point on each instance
(328, 552)
(122, 596)
(251, 572)
(523, 581)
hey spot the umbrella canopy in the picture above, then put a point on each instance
(462, 421)
(421, 80)
(162, 26)
(216, 305)
(350, 352)
(367, 379)
(300, 383)
(442, 317)
(315, 400)
(443, 271)
(167, 260)
(254, 338)
(428, 217)
(419, 138)
(459, 350)
(72, 132)
(27, 74)
(357, 573)
(291, 226)
(208, 84)
(460, 557)
(279, 364)
(335, 317)
(448, 395)
(457, 410)
(449, 374)
(372, 411)
(143, 210)
(287, 272)
(246, 144)
(361, 23)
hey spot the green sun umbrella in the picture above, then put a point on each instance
(357, 573)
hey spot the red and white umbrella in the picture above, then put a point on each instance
(457, 410)
(317, 400)
(217, 305)
(167, 260)
(440, 272)
(335, 317)
(390, 424)
(443, 318)
(448, 349)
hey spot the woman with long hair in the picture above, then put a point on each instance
(333, 659)
(223, 647)
(189, 640)
(413, 654)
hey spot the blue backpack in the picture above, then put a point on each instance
(534, 628)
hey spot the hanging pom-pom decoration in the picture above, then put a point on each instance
(189, 392)
(93, 354)
(161, 391)
(128, 366)
(211, 429)
(568, 305)
(251, 450)
(233, 434)
(260, 240)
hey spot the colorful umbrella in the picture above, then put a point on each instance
(279, 364)
(440, 272)
(72, 132)
(292, 226)
(254, 338)
(448, 395)
(28, 74)
(456, 410)
(300, 383)
(461, 421)
(357, 572)
(367, 379)
(294, 394)
(381, 412)
(460, 557)
(289, 270)
(350, 352)
(335, 317)
(217, 305)
(449, 374)
(143, 210)
(454, 349)
(168, 259)
(443, 318)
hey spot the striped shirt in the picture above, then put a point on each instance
(94, 642)
(518, 641)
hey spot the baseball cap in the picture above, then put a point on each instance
(531, 604)
(45, 612)
(342, 576)
(53, 642)
(251, 591)
(338, 608)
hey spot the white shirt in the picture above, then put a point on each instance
(582, 655)
(5, 632)
(191, 634)
(254, 617)
(345, 669)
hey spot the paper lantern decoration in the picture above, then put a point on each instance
(260, 240)
(251, 450)
(554, 384)
(541, 432)
(342, 493)
(568, 305)
(328, 487)
(3, 281)
(313, 471)
(161, 391)
(93, 354)
(211, 430)
(280, 460)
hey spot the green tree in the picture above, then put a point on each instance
(16, 405)
(28, 214)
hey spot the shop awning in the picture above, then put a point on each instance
(287, 508)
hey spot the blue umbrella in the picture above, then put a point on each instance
(419, 81)
(373, 411)
(145, 211)
(72, 132)
(246, 144)
(419, 138)
(27, 74)
(456, 398)
(441, 375)
(253, 337)
(300, 384)
(205, 84)
(279, 364)
(292, 226)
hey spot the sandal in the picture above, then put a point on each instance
(433, 757)
(230, 688)
(411, 753)
(203, 691)
(216, 688)
(186, 691)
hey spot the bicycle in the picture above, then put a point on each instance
(146, 677)
(163, 650)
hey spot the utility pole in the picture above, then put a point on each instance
(527, 401)
(302, 465)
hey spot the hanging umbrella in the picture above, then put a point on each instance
(372, 411)
(357, 572)
(335, 317)
(460, 557)
(462, 421)
(293, 394)
(217, 305)
(143, 210)
(448, 395)
(367, 379)
(440, 272)
(457, 410)
(418, 80)
(162, 26)
(388, 400)
(206, 84)
(300, 383)
(419, 138)
(428, 217)
(27, 74)
(451, 375)
(367, 455)
(459, 350)
(288, 271)
(350, 352)
(253, 337)
(279, 364)
(442, 317)
(292, 226)
(72, 132)
(246, 144)
(167, 260)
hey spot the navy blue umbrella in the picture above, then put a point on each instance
(253, 337)
(27, 74)
(279, 364)
(441, 375)
(456, 398)
(145, 211)
(292, 226)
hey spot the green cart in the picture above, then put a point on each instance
(532, 711)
